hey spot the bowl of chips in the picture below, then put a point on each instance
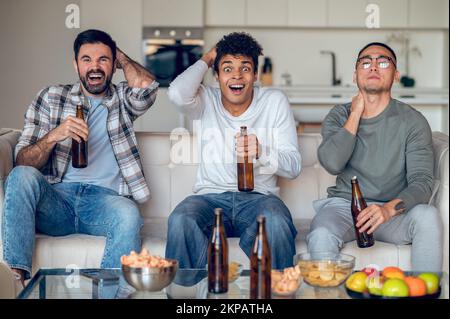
(145, 272)
(234, 271)
(286, 282)
(325, 269)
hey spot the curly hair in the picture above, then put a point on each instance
(238, 43)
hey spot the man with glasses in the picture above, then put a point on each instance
(387, 145)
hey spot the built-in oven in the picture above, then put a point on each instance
(170, 51)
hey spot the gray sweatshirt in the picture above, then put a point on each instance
(391, 154)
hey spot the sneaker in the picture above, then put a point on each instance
(10, 282)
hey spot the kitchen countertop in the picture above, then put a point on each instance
(314, 95)
(310, 104)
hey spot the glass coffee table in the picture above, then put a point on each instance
(188, 284)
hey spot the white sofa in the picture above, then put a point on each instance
(170, 183)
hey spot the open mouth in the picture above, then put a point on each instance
(237, 88)
(95, 78)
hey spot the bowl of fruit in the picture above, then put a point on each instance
(393, 283)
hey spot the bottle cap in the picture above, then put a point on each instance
(218, 211)
(261, 219)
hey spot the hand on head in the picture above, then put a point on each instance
(210, 56)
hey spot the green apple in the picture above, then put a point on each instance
(431, 280)
(395, 287)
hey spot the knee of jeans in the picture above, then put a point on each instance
(426, 216)
(24, 175)
(319, 234)
(178, 220)
(275, 210)
(128, 217)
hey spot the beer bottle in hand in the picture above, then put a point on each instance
(363, 239)
(79, 149)
(218, 256)
(260, 263)
(245, 167)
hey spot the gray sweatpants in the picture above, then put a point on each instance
(421, 226)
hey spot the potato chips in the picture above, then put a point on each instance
(144, 259)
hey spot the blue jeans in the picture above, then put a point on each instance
(192, 221)
(32, 204)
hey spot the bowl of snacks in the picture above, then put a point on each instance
(286, 282)
(146, 272)
(325, 269)
(234, 271)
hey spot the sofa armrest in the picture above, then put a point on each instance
(440, 193)
(8, 141)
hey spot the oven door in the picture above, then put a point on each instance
(168, 61)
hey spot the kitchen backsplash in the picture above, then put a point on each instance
(297, 52)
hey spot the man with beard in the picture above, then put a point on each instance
(44, 193)
(388, 145)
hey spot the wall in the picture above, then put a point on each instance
(445, 64)
(298, 52)
(36, 51)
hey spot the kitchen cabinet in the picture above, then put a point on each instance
(161, 117)
(173, 13)
(105, 14)
(347, 13)
(225, 13)
(393, 14)
(428, 14)
(267, 13)
(306, 13)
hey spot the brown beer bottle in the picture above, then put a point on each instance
(260, 264)
(245, 168)
(79, 150)
(363, 239)
(218, 256)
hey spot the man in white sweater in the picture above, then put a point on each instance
(218, 114)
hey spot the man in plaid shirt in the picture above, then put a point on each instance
(44, 193)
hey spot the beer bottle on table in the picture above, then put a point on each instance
(218, 256)
(245, 167)
(363, 239)
(79, 149)
(260, 263)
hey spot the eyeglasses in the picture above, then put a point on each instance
(383, 62)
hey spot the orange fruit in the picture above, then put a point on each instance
(417, 286)
(393, 272)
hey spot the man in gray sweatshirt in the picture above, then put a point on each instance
(387, 144)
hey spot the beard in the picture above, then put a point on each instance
(98, 88)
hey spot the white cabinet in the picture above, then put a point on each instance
(428, 14)
(307, 13)
(347, 13)
(393, 14)
(161, 117)
(105, 15)
(173, 13)
(267, 13)
(225, 13)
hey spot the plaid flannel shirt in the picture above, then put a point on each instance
(55, 103)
